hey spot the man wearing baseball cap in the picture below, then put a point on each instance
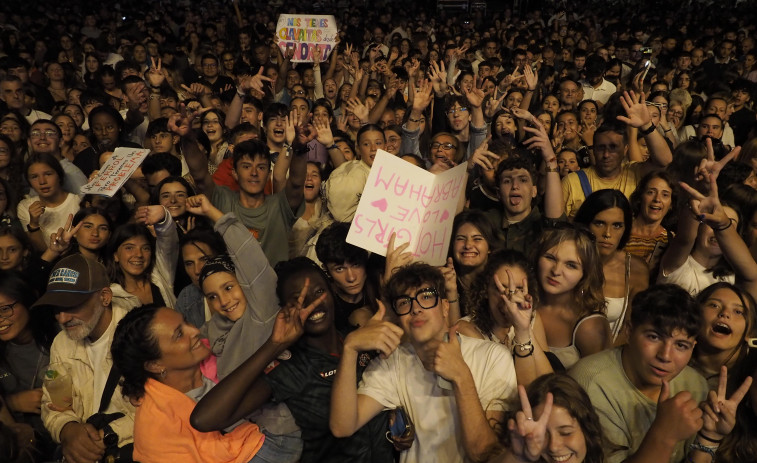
(78, 293)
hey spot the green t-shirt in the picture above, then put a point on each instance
(269, 223)
(624, 412)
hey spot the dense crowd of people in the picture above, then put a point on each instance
(598, 300)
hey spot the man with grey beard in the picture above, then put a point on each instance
(78, 292)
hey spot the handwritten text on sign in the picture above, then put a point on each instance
(303, 33)
(413, 203)
(116, 171)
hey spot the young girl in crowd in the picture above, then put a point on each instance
(473, 240)
(141, 268)
(607, 215)
(502, 310)
(728, 314)
(556, 423)
(571, 304)
(237, 287)
(651, 204)
(49, 209)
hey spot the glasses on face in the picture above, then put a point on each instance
(49, 133)
(6, 311)
(445, 146)
(427, 298)
(454, 111)
(210, 65)
(676, 113)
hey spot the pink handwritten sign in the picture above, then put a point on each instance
(413, 203)
(116, 170)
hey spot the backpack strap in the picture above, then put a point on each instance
(585, 186)
(110, 388)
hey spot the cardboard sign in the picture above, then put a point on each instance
(116, 171)
(303, 33)
(413, 203)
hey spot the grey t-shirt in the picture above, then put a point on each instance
(624, 412)
(269, 223)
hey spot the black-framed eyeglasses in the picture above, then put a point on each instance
(427, 298)
(6, 311)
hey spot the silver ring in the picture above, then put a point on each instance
(529, 419)
(512, 291)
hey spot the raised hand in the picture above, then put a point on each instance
(196, 90)
(290, 131)
(475, 96)
(255, 82)
(396, 257)
(323, 132)
(423, 95)
(448, 359)
(518, 304)
(450, 278)
(528, 435)
(532, 80)
(155, 76)
(290, 321)
(377, 334)
(493, 105)
(61, 240)
(341, 121)
(482, 157)
(708, 208)
(200, 205)
(636, 108)
(709, 166)
(150, 215)
(719, 411)
(438, 76)
(357, 107)
(540, 140)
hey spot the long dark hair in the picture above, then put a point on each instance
(133, 346)
(123, 233)
(669, 220)
(747, 302)
(83, 214)
(603, 200)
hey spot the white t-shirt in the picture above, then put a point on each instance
(53, 218)
(402, 381)
(692, 276)
(97, 352)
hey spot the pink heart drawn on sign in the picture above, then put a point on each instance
(445, 216)
(380, 204)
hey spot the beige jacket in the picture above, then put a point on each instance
(74, 354)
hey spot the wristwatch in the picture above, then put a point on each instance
(110, 438)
